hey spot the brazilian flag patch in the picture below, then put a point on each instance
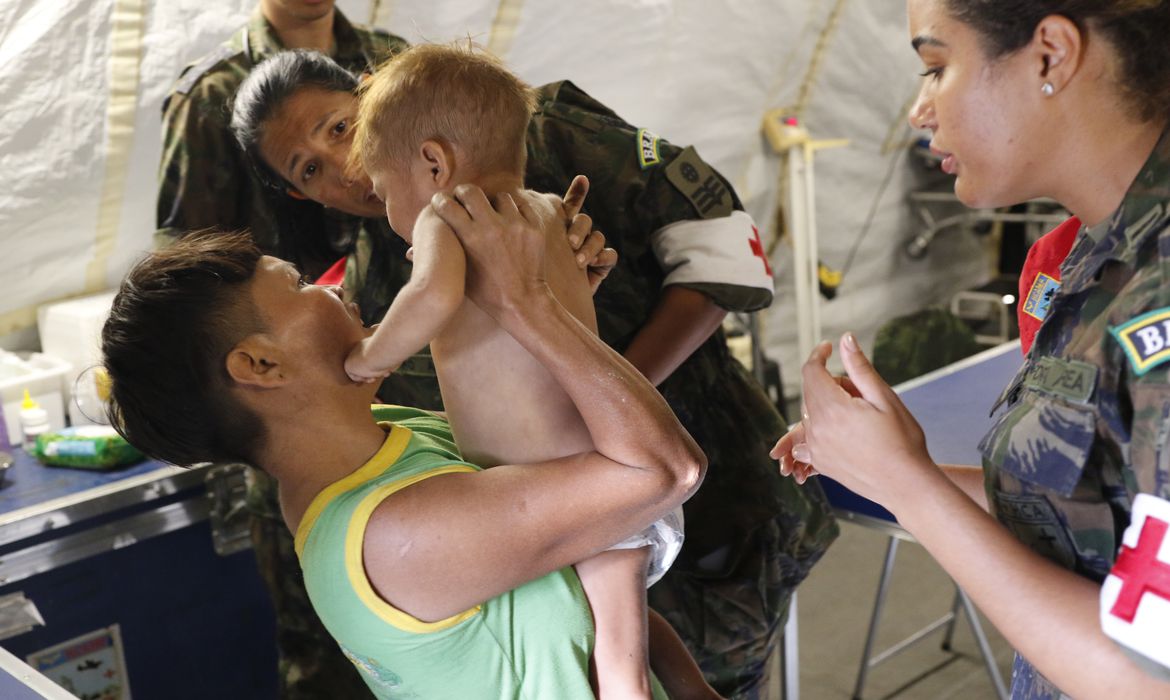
(648, 148)
(1145, 339)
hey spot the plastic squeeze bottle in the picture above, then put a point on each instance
(34, 420)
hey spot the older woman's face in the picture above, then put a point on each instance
(307, 142)
(983, 114)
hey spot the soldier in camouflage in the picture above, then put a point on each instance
(1075, 467)
(1095, 390)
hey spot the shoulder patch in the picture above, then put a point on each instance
(648, 148)
(1145, 339)
(192, 73)
(1040, 296)
(698, 183)
(1135, 598)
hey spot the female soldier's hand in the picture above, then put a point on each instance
(855, 430)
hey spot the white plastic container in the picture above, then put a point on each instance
(72, 330)
(44, 378)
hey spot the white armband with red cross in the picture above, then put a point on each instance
(1135, 598)
(726, 250)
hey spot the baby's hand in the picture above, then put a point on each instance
(362, 368)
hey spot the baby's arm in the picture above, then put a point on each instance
(421, 309)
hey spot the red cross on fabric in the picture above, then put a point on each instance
(758, 249)
(1141, 570)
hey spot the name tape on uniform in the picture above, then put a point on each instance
(1069, 379)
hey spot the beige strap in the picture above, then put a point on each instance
(127, 23)
(504, 27)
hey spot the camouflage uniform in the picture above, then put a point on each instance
(206, 182)
(751, 536)
(1087, 420)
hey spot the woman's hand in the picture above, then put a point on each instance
(855, 430)
(504, 246)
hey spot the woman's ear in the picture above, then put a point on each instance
(255, 362)
(437, 161)
(1060, 46)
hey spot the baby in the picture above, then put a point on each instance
(432, 118)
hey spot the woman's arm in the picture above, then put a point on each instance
(969, 480)
(421, 309)
(450, 542)
(678, 325)
(871, 444)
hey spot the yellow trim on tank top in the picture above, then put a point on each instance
(397, 439)
(356, 570)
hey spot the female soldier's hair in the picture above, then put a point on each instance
(1137, 30)
(265, 91)
(178, 314)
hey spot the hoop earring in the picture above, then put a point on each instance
(1048, 89)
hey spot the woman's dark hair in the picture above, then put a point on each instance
(265, 91)
(1137, 30)
(178, 314)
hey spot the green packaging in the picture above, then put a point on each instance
(85, 447)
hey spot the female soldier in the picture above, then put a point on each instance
(1066, 99)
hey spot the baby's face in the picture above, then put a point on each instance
(403, 194)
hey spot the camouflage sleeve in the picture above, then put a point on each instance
(203, 178)
(673, 203)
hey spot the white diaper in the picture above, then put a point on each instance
(664, 538)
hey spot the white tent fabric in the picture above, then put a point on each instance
(82, 82)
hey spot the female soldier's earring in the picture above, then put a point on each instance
(1048, 89)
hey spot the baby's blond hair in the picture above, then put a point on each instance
(456, 94)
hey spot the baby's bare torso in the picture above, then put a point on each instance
(504, 406)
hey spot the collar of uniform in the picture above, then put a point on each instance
(347, 45)
(263, 40)
(1143, 211)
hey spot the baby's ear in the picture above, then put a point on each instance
(438, 163)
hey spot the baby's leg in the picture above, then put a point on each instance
(615, 583)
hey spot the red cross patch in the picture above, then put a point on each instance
(758, 249)
(1135, 598)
